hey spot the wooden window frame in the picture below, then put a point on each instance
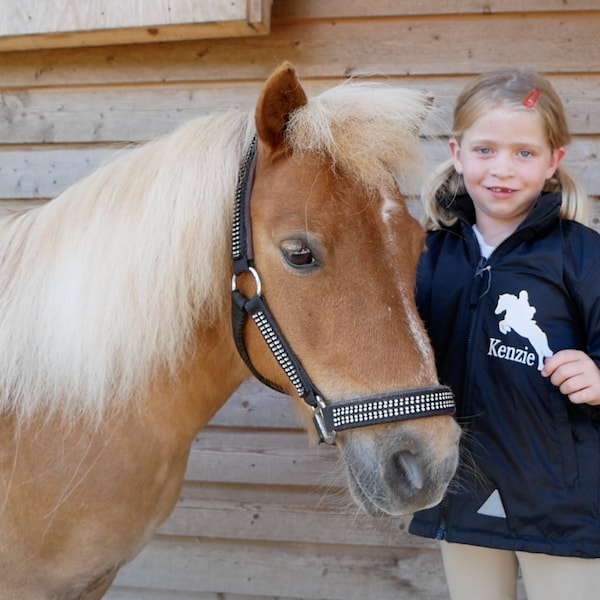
(37, 24)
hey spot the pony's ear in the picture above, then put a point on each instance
(281, 95)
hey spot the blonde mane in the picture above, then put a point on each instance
(107, 283)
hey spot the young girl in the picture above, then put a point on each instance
(509, 288)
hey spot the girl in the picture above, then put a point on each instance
(509, 288)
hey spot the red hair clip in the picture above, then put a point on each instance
(532, 98)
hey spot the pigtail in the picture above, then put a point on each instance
(444, 182)
(575, 202)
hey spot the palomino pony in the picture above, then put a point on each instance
(116, 337)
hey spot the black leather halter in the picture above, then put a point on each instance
(328, 418)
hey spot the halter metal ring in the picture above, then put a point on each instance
(254, 274)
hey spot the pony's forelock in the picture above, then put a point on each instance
(370, 130)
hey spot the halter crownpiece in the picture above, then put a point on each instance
(328, 418)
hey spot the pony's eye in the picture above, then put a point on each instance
(298, 254)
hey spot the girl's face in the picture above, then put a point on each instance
(504, 158)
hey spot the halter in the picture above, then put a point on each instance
(328, 418)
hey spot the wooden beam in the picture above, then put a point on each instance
(340, 9)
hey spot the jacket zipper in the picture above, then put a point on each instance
(476, 294)
(443, 524)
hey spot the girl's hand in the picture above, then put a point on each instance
(575, 374)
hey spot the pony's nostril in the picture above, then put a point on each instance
(409, 469)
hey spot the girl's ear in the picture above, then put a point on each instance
(555, 161)
(455, 150)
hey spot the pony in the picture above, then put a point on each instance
(117, 339)
(519, 317)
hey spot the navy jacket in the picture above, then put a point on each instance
(529, 477)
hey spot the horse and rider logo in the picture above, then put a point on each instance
(519, 318)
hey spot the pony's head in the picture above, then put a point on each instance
(337, 251)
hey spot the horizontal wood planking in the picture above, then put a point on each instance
(568, 43)
(46, 171)
(320, 571)
(294, 514)
(255, 405)
(138, 113)
(263, 457)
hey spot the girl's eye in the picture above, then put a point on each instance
(483, 151)
(298, 254)
(526, 153)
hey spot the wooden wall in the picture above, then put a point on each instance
(263, 515)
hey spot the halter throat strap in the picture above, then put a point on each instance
(328, 418)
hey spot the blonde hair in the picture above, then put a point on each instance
(510, 88)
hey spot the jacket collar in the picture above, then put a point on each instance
(544, 211)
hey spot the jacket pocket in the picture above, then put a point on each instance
(587, 447)
(565, 436)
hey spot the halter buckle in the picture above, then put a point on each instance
(325, 435)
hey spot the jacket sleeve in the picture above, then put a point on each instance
(424, 281)
(582, 278)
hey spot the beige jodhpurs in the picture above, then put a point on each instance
(476, 573)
